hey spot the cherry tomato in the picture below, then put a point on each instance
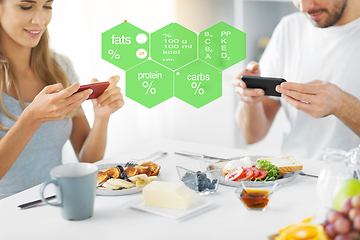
(235, 174)
(256, 173)
(263, 173)
(249, 173)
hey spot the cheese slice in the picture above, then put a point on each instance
(168, 195)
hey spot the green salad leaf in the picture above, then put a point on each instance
(272, 171)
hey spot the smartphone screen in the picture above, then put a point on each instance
(98, 89)
(268, 84)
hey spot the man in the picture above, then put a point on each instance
(318, 53)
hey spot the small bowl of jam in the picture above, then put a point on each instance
(255, 197)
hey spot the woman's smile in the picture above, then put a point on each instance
(33, 33)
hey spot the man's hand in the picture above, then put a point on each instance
(248, 95)
(317, 98)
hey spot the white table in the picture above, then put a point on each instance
(227, 219)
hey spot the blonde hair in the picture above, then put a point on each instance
(45, 67)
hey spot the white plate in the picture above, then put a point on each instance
(109, 192)
(200, 204)
(254, 158)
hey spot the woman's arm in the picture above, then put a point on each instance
(16, 139)
(51, 104)
(89, 144)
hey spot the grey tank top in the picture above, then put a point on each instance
(44, 150)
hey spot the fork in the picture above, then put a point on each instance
(307, 174)
(133, 161)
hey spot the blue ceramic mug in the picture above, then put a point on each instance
(75, 185)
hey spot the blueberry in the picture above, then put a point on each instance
(201, 176)
(206, 184)
(214, 181)
(123, 175)
(202, 185)
(211, 186)
(120, 168)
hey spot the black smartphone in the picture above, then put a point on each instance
(268, 84)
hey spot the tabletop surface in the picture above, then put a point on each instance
(113, 219)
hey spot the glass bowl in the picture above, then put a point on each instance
(255, 197)
(201, 176)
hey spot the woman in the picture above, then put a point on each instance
(39, 111)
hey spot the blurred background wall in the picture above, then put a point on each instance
(76, 29)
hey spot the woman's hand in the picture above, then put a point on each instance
(110, 101)
(54, 102)
(249, 95)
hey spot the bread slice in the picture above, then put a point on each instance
(285, 164)
(222, 165)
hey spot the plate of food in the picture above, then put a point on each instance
(259, 170)
(116, 179)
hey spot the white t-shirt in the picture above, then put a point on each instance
(300, 52)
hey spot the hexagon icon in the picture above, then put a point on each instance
(173, 46)
(198, 83)
(149, 83)
(222, 45)
(125, 45)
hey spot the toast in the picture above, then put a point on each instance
(285, 164)
(222, 165)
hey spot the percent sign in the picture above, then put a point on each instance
(166, 35)
(114, 54)
(198, 89)
(149, 88)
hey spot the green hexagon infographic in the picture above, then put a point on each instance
(173, 61)
(198, 83)
(149, 83)
(222, 45)
(125, 45)
(173, 46)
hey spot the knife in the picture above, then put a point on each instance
(300, 173)
(34, 203)
(190, 154)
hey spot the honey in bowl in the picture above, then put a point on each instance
(254, 198)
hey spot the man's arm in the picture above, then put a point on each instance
(255, 112)
(320, 99)
(255, 120)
